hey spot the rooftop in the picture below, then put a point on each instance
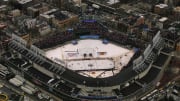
(177, 9)
(60, 16)
(162, 5)
(23, 1)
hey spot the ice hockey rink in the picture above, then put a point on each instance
(92, 58)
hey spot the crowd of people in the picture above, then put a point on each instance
(55, 39)
(91, 28)
(96, 28)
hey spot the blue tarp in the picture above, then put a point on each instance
(89, 37)
(74, 42)
(105, 41)
(136, 49)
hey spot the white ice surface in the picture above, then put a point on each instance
(73, 56)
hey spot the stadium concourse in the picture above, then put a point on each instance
(92, 58)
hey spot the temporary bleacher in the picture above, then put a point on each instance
(147, 51)
(138, 60)
(151, 57)
(141, 67)
(159, 44)
(158, 41)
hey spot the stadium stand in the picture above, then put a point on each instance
(56, 39)
(150, 76)
(130, 89)
(151, 57)
(66, 84)
(42, 79)
(89, 28)
(98, 97)
(160, 60)
(89, 81)
(38, 75)
(35, 58)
